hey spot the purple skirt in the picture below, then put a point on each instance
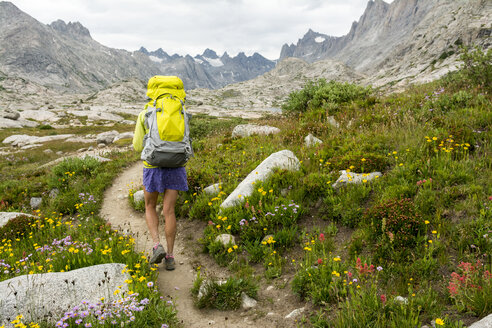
(162, 178)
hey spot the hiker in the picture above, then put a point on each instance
(166, 109)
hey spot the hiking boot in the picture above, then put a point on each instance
(170, 263)
(158, 254)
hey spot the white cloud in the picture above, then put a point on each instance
(191, 26)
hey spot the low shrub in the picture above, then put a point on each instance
(396, 229)
(320, 93)
(223, 295)
(18, 227)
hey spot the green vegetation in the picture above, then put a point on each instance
(409, 247)
(411, 228)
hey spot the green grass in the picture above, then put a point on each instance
(427, 213)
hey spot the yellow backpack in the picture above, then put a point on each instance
(167, 143)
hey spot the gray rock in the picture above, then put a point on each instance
(40, 115)
(7, 216)
(246, 130)
(106, 137)
(284, 159)
(54, 193)
(22, 140)
(213, 190)
(401, 299)
(30, 146)
(226, 239)
(484, 323)
(124, 135)
(294, 313)
(96, 157)
(350, 177)
(203, 287)
(35, 202)
(48, 151)
(311, 140)
(10, 114)
(49, 295)
(247, 302)
(331, 120)
(138, 196)
(19, 123)
(16, 139)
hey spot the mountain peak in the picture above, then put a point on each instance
(75, 28)
(210, 54)
(144, 50)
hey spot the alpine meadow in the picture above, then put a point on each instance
(346, 184)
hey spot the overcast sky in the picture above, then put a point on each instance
(191, 26)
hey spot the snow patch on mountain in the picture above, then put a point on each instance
(214, 62)
(155, 59)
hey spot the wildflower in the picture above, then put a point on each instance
(434, 231)
(439, 322)
(383, 298)
(229, 250)
(150, 284)
(426, 222)
(379, 268)
(321, 237)
(337, 259)
(320, 261)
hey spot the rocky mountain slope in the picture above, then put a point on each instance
(208, 70)
(266, 93)
(407, 39)
(64, 56)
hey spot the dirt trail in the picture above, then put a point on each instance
(176, 284)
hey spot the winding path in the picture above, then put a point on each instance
(175, 284)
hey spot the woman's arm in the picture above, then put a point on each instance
(139, 132)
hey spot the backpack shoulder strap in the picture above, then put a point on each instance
(150, 111)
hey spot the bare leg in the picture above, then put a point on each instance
(170, 197)
(151, 214)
